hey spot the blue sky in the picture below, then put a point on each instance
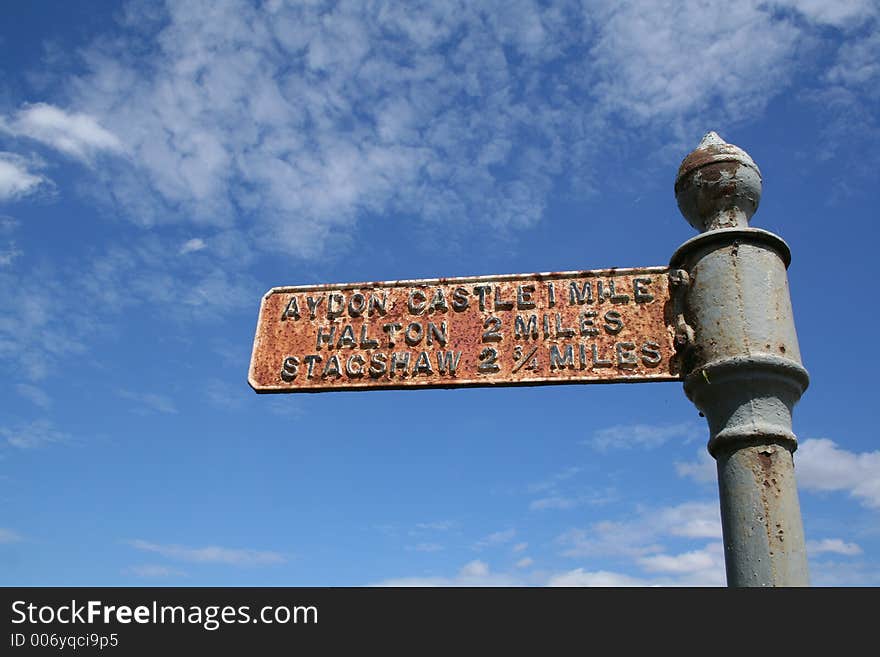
(162, 166)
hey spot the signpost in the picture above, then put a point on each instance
(520, 329)
(718, 319)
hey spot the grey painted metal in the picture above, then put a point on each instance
(739, 353)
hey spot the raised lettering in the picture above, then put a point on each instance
(357, 304)
(500, 304)
(311, 359)
(291, 310)
(580, 295)
(423, 364)
(313, 306)
(416, 307)
(378, 365)
(586, 323)
(613, 322)
(435, 333)
(524, 297)
(438, 303)
(651, 356)
(460, 299)
(346, 339)
(523, 330)
(391, 328)
(337, 298)
(413, 334)
(561, 360)
(326, 338)
(626, 357)
(448, 361)
(399, 361)
(640, 291)
(332, 368)
(482, 291)
(354, 359)
(289, 368)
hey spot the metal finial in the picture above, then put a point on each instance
(718, 185)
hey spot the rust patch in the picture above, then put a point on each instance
(520, 329)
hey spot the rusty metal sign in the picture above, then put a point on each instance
(596, 326)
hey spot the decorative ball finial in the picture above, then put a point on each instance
(718, 185)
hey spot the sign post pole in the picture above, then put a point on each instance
(741, 364)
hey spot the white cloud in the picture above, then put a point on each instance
(525, 562)
(153, 570)
(9, 254)
(554, 480)
(9, 536)
(554, 502)
(193, 245)
(601, 578)
(519, 547)
(702, 567)
(495, 538)
(425, 547)
(225, 395)
(627, 436)
(297, 121)
(34, 394)
(473, 573)
(639, 537)
(834, 546)
(75, 134)
(212, 554)
(150, 401)
(840, 13)
(437, 525)
(696, 562)
(703, 470)
(645, 52)
(844, 573)
(820, 465)
(32, 434)
(16, 180)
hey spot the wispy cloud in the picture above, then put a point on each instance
(554, 480)
(149, 401)
(193, 245)
(16, 177)
(707, 562)
(821, 465)
(833, 546)
(495, 539)
(473, 573)
(291, 122)
(554, 502)
(436, 525)
(76, 134)
(628, 436)
(702, 470)
(153, 570)
(30, 435)
(425, 547)
(640, 536)
(34, 394)
(600, 578)
(211, 554)
(9, 536)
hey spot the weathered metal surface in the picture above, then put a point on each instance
(763, 533)
(522, 329)
(718, 185)
(739, 354)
